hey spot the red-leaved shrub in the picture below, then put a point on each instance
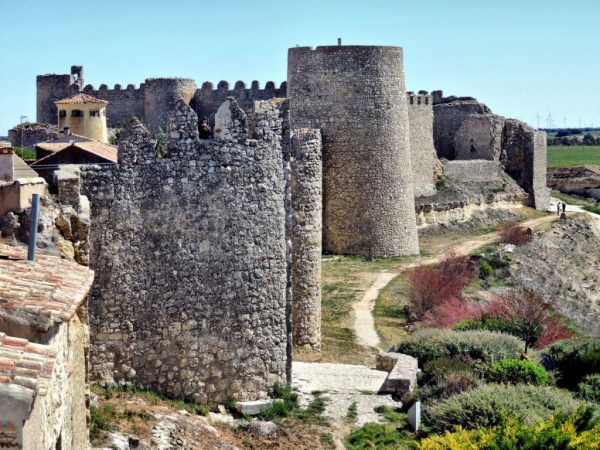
(451, 311)
(513, 233)
(430, 287)
(530, 317)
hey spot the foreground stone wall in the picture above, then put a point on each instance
(306, 237)
(189, 252)
(422, 150)
(356, 96)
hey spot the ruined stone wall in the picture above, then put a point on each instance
(479, 137)
(122, 103)
(51, 88)
(356, 96)
(471, 170)
(422, 150)
(160, 95)
(27, 135)
(207, 99)
(448, 116)
(307, 180)
(190, 260)
(541, 194)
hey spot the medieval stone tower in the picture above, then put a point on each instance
(356, 96)
(160, 97)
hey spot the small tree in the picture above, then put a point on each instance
(529, 315)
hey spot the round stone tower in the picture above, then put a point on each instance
(356, 96)
(160, 95)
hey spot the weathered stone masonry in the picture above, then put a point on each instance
(190, 256)
(422, 150)
(356, 96)
(306, 237)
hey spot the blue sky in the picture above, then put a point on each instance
(521, 57)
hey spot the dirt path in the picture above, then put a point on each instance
(364, 322)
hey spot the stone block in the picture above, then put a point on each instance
(254, 408)
(403, 377)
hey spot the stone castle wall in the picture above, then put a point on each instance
(160, 95)
(207, 99)
(422, 150)
(307, 200)
(356, 96)
(123, 103)
(471, 170)
(190, 257)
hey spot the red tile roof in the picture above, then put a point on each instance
(40, 294)
(25, 364)
(105, 151)
(80, 99)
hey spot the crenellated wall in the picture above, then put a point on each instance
(190, 258)
(123, 103)
(422, 150)
(207, 99)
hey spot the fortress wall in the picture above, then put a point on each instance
(306, 237)
(356, 96)
(448, 116)
(160, 95)
(123, 103)
(479, 137)
(50, 88)
(207, 99)
(190, 259)
(471, 170)
(524, 159)
(422, 150)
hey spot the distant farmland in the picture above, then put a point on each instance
(572, 156)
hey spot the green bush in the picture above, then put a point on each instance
(574, 431)
(487, 346)
(572, 361)
(485, 323)
(516, 371)
(485, 269)
(592, 208)
(589, 388)
(492, 404)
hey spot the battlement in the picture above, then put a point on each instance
(239, 85)
(88, 88)
(422, 98)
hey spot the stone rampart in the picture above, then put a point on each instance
(207, 99)
(471, 170)
(190, 256)
(356, 96)
(306, 187)
(422, 150)
(122, 103)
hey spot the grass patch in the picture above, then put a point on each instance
(352, 413)
(327, 441)
(393, 434)
(389, 312)
(573, 156)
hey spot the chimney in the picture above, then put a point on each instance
(7, 168)
(339, 42)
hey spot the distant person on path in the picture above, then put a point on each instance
(204, 130)
(558, 208)
(564, 206)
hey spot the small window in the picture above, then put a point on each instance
(94, 113)
(62, 113)
(76, 113)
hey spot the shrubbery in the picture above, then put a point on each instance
(487, 346)
(573, 361)
(485, 323)
(429, 287)
(589, 388)
(516, 371)
(513, 233)
(574, 431)
(492, 404)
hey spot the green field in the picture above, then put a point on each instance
(572, 156)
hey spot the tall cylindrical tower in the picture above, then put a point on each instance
(356, 96)
(160, 95)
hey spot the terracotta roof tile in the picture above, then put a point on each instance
(52, 289)
(80, 99)
(28, 365)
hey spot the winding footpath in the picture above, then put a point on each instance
(364, 322)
